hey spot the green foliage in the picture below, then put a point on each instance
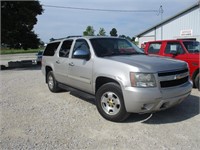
(17, 51)
(89, 31)
(113, 32)
(136, 43)
(126, 37)
(102, 32)
(51, 39)
(133, 39)
(17, 21)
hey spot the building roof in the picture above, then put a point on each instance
(171, 18)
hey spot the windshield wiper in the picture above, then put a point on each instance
(133, 53)
(110, 54)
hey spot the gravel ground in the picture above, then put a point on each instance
(34, 118)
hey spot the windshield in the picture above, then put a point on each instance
(114, 46)
(192, 46)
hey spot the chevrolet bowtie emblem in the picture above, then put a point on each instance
(180, 76)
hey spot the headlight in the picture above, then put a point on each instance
(142, 80)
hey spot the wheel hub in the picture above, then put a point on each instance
(50, 82)
(110, 103)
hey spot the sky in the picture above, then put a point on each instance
(62, 22)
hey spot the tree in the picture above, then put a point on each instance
(89, 31)
(42, 44)
(102, 32)
(126, 37)
(17, 21)
(122, 36)
(113, 32)
(133, 39)
(51, 39)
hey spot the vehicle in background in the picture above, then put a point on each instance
(39, 57)
(185, 50)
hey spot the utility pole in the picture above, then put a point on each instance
(161, 14)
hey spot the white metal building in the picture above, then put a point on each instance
(184, 25)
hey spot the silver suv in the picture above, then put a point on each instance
(122, 78)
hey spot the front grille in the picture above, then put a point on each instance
(171, 83)
(173, 78)
(161, 74)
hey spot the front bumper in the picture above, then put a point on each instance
(146, 100)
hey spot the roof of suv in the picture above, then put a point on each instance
(85, 37)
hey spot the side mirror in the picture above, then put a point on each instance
(81, 54)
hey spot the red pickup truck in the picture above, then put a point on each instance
(186, 50)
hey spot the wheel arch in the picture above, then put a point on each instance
(195, 73)
(103, 80)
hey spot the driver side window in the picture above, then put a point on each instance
(80, 44)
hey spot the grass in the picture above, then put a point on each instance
(17, 51)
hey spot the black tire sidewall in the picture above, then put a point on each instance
(196, 81)
(115, 88)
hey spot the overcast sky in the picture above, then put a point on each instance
(62, 22)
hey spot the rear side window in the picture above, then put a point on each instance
(154, 48)
(65, 48)
(51, 48)
(174, 46)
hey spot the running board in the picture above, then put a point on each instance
(71, 89)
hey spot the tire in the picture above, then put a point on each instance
(110, 102)
(52, 83)
(197, 81)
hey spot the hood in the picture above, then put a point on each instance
(150, 63)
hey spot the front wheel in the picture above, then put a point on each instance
(52, 83)
(110, 103)
(197, 81)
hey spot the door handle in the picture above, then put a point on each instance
(57, 61)
(71, 64)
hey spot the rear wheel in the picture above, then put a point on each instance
(197, 81)
(110, 102)
(52, 83)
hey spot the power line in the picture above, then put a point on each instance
(102, 10)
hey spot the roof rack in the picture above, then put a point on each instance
(67, 37)
(74, 36)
